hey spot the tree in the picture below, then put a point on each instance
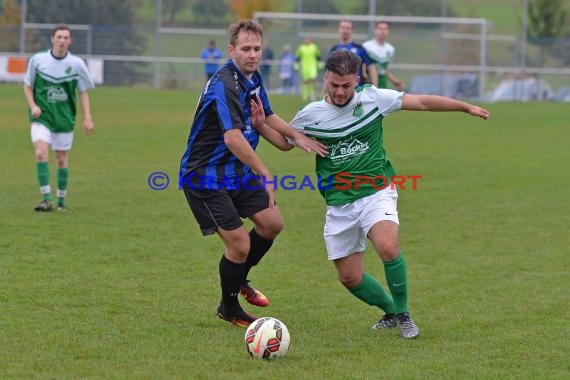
(546, 22)
(111, 22)
(403, 8)
(172, 7)
(10, 21)
(321, 7)
(246, 8)
(210, 12)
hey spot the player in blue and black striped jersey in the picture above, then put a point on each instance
(220, 171)
(367, 72)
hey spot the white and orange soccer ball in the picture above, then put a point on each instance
(267, 338)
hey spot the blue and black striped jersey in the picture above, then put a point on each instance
(223, 105)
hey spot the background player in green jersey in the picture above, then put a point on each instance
(382, 53)
(50, 86)
(309, 62)
(349, 121)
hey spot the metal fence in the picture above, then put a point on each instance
(441, 55)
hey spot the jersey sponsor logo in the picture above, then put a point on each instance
(345, 149)
(56, 94)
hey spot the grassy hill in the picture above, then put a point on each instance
(504, 15)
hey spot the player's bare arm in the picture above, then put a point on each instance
(238, 145)
(441, 103)
(29, 94)
(258, 119)
(399, 84)
(302, 141)
(87, 120)
(373, 74)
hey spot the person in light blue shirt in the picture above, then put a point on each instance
(212, 54)
(286, 70)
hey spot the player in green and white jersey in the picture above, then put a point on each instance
(50, 85)
(382, 53)
(309, 62)
(349, 121)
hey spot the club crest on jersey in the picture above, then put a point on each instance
(358, 111)
(68, 70)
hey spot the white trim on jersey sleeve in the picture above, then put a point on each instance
(30, 72)
(85, 82)
(388, 100)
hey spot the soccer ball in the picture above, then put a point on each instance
(267, 338)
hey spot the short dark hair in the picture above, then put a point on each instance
(60, 27)
(343, 62)
(247, 25)
(382, 22)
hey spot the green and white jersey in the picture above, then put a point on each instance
(54, 82)
(381, 55)
(353, 134)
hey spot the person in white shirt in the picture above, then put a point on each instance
(382, 53)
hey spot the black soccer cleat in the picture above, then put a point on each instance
(44, 206)
(240, 319)
(387, 321)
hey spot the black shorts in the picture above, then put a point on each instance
(224, 209)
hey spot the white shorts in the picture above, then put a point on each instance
(347, 226)
(58, 141)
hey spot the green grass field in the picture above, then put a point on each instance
(124, 286)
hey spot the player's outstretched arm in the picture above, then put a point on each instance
(399, 84)
(275, 138)
(258, 121)
(302, 141)
(441, 103)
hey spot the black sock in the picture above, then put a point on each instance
(258, 247)
(231, 276)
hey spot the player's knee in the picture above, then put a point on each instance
(349, 280)
(271, 229)
(239, 250)
(277, 227)
(388, 251)
(41, 155)
(61, 159)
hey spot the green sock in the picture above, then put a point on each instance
(62, 176)
(370, 291)
(397, 279)
(42, 171)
